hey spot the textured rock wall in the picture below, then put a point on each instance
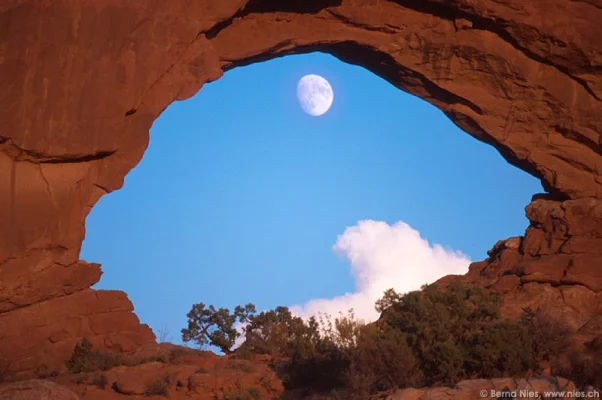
(82, 82)
(555, 269)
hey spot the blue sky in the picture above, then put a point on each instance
(241, 196)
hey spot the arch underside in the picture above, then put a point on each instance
(84, 83)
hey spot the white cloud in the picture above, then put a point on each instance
(384, 256)
(240, 328)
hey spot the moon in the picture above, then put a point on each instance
(315, 95)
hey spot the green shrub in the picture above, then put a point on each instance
(87, 359)
(430, 337)
(503, 347)
(552, 343)
(274, 332)
(584, 368)
(319, 364)
(382, 360)
(175, 353)
(457, 333)
(239, 392)
(549, 337)
(158, 387)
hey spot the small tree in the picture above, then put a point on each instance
(84, 358)
(275, 332)
(381, 360)
(456, 333)
(550, 338)
(389, 299)
(211, 326)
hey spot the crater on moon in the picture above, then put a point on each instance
(315, 94)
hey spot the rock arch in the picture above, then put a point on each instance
(83, 82)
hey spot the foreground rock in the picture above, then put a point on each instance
(185, 374)
(190, 381)
(35, 390)
(544, 387)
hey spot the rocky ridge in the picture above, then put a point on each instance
(555, 269)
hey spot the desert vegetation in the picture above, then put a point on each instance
(85, 358)
(158, 387)
(215, 327)
(238, 392)
(430, 337)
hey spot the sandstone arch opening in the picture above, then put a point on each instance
(240, 197)
(79, 104)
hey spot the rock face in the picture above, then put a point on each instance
(555, 269)
(49, 330)
(36, 390)
(82, 84)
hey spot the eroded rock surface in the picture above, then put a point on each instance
(35, 390)
(83, 82)
(555, 269)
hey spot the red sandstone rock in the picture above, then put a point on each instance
(585, 270)
(82, 84)
(188, 374)
(553, 270)
(35, 390)
(546, 269)
(506, 283)
(581, 298)
(582, 244)
(54, 326)
(43, 279)
(135, 380)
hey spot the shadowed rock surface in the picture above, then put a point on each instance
(83, 82)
